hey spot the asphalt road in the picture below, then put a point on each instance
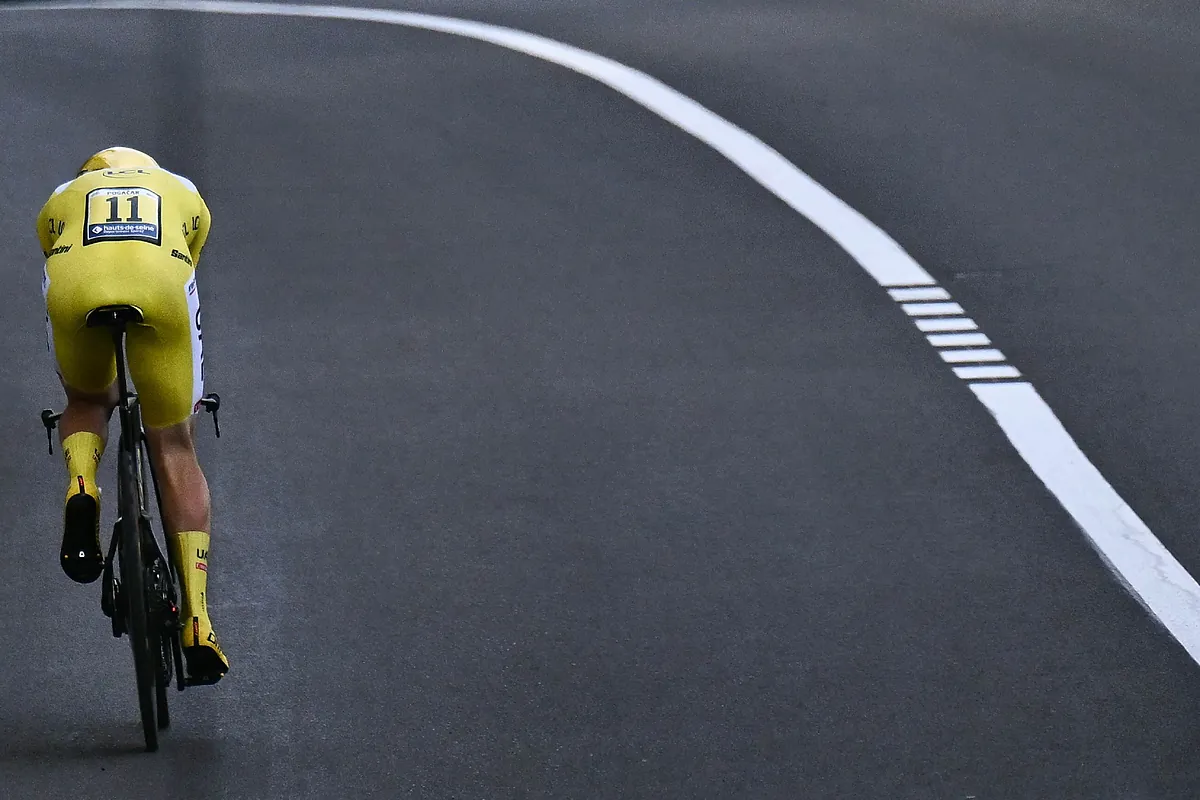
(562, 460)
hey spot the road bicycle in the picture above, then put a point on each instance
(141, 595)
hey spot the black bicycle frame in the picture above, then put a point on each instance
(130, 427)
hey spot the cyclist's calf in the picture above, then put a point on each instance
(184, 491)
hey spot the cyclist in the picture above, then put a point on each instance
(125, 231)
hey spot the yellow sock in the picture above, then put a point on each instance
(190, 550)
(82, 453)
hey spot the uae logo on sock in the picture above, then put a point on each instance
(200, 565)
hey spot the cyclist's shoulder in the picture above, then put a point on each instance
(155, 178)
(183, 181)
(60, 190)
(173, 190)
(181, 190)
(159, 179)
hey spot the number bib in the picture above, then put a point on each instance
(121, 214)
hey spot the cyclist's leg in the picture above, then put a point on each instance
(181, 483)
(83, 435)
(164, 360)
(86, 365)
(187, 515)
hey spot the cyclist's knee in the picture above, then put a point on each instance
(106, 398)
(179, 438)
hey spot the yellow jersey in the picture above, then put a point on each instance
(127, 236)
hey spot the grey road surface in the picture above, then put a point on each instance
(561, 460)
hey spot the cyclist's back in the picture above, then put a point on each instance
(136, 204)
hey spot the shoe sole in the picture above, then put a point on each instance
(80, 553)
(204, 667)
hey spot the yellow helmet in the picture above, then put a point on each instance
(117, 158)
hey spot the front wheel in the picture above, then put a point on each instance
(164, 714)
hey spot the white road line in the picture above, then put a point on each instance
(1144, 566)
(924, 293)
(1158, 581)
(958, 339)
(982, 373)
(969, 355)
(956, 324)
(931, 309)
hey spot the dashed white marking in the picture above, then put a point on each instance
(931, 309)
(1146, 568)
(935, 316)
(958, 339)
(983, 373)
(955, 324)
(924, 293)
(962, 356)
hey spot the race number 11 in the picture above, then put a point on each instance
(122, 214)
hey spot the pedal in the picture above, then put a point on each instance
(171, 619)
(108, 594)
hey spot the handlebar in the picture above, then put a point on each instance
(211, 403)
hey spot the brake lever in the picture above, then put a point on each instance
(211, 404)
(50, 420)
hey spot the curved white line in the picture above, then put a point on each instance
(875, 250)
(1124, 542)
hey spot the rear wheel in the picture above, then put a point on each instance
(133, 591)
(163, 623)
(164, 613)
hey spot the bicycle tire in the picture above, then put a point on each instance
(161, 643)
(133, 589)
(162, 663)
(160, 700)
(151, 554)
(172, 647)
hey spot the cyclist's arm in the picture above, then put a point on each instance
(197, 220)
(50, 220)
(199, 236)
(46, 236)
